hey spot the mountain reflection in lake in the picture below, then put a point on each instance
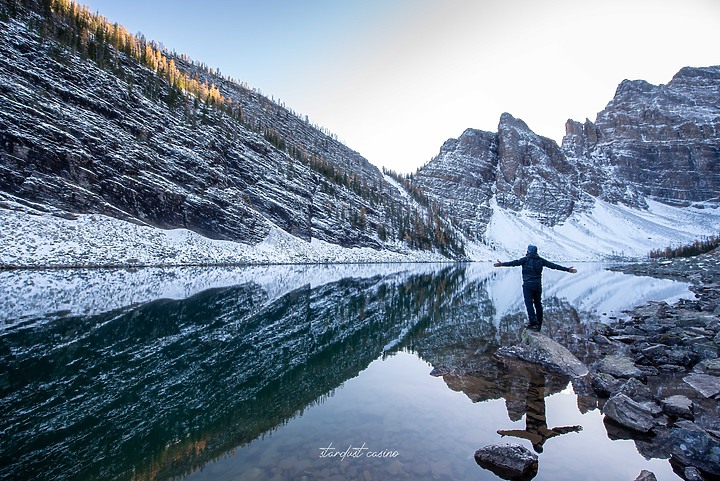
(296, 372)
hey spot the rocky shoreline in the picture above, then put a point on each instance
(655, 375)
(661, 372)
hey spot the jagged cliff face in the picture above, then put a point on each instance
(660, 142)
(534, 175)
(516, 168)
(78, 138)
(461, 178)
(663, 141)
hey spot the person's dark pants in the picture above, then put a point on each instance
(533, 303)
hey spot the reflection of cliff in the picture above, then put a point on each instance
(158, 390)
(461, 321)
(461, 337)
(465, 330)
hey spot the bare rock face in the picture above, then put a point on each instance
(663, 141)
(461, 178)
(534, 174)
(597, 177)
(115, 152)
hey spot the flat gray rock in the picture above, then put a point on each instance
(539, 349)
(619, 366)
(708, 386)
(631, 414)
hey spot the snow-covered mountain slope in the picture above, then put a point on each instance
(605, 193)
(607, 232)
(32, 238)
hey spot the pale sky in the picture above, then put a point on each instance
(394, 79)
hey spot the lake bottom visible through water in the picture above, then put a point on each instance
(426, 431)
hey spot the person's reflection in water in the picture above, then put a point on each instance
(536, 429)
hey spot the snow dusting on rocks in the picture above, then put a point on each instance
(31, 238)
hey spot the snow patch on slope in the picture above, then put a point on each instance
(32, 238)
(608, 231)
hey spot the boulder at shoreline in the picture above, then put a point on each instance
(539, 349)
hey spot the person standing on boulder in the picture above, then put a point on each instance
(532, 266)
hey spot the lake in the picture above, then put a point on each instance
(299, 373)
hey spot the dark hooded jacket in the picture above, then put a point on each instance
(532, 266)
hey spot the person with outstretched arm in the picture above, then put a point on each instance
(532, 266)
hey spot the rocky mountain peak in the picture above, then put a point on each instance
(630, 89)
(515, 167)
(579, 138)
(461, 178)
(533, 173)
(698, 75)
(660, 142)
(664, 140)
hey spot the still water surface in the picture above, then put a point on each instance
(298, 372)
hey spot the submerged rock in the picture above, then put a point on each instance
(695, 447)
(646, 476)
(539, 349)
(708, 386)
(508, 461)
(691, 473)
(619, 366)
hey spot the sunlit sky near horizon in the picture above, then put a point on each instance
(394, 79)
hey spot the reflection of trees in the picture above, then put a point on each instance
(460, 325)
(157, 390)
